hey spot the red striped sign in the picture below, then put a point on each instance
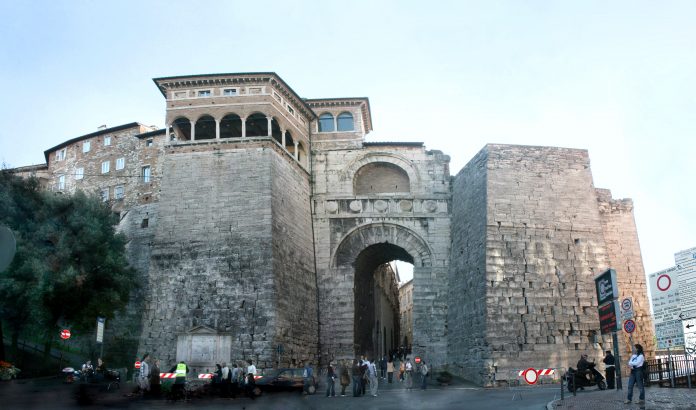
(540, 372)
(167, 375)
(205, 376)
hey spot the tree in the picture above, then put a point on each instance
(70, 265)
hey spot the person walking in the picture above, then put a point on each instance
(355, 370)
(372, 375)
(234, 379)
(144, 380)
(251, 380)
(155, 383)
(179, 386)
(390, 370)
(307, 378)
(636, 366)
(225, 380)
(345, 378)
(610, 369)
(330, 378)
(408, 374)
(383, 368)
(402, 370)
(424, 375)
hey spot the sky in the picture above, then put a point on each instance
(615, 78)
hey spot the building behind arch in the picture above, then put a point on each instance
(257, 220)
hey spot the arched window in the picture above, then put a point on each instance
(275, 131)
(300, 152)
(257, 125)
(382, 178)
(231, 126)
(205, 128)
(182, 128)
(289, 142)
(345, 121)
(326, 122)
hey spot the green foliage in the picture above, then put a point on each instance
(70, 265)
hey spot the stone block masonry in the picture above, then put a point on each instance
(214, 256)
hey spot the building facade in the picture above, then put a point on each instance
(261, 222)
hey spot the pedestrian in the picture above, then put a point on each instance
(225, 380)
(372, 372)
(363, 375)
(330, 378)
(402, 370)
(408, 374)
(636, 366)
(179, 386)
(383, 367)
(144, 380)
(357, 379)
(251, 379)
(610, 369)
(234, 379)
(390, 370)
(424, 374)
(307, 378)
(345, 378)
(155, 384)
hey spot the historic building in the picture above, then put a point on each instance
(261, 222)
(406, 313)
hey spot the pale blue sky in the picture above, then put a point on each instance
(611, 77)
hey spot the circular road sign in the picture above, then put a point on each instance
(137, 365)
(417, 359)
(65, 334)
(626, 304)
(530, 376)
(664, 282)
(629, 326)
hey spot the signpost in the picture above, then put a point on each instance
(607, 295)
(627, 308)
(666, 308)
(65, 334)
(100, 335)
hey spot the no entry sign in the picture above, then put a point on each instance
(417, 359)
(65, 334)
(137, 365)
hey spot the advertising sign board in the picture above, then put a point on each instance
(608, 321)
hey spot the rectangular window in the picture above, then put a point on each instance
(204, 93)
(148, 143)
(181, 94)
(229, 91)
(118, 192)
(107, 141)
(276, 96)
(61, 182)
(105, 167)
(291, 110)
(146, 174)
(60, 154)
(255, 90)
(104, 193)
(79, 173)
(86, 146)
(120, 163)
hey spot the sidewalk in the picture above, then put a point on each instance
(655, 398)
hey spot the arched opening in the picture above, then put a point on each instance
(345, 121)
(205, 128)
(231, 126)
(376, 300)
(326, 122)
(257, 125)
(380, 178)
(300, 152)
(182, 129)
(275, 131)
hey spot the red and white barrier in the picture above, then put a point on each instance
(540, 372)
(167, 375)
(205, 376)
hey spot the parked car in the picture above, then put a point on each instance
(285, 379)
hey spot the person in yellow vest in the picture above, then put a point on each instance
(180, 380)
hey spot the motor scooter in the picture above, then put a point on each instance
(579, 380)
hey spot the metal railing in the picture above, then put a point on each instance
(679, 371)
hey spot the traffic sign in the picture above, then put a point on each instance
(627, 308)
(65, 334)
(530, 376)
(137, 365)
(665, 295)
(629, 326)
(418, 359)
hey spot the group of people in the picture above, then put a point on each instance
(636, 364)
(365, 375)
(229, 382)
(148, 377)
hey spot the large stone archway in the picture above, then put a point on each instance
(346, 281)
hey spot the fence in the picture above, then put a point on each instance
(680, 367)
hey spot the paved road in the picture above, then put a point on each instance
(51, 394)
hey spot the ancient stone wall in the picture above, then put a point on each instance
(623, 247)
(469, 351)
(211, 262)
(295, 321)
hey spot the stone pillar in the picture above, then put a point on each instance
(166, 132)
(217, 129)
(296, 153)
(270, 126)
(243, 127)
(282, 133)
(193, 130)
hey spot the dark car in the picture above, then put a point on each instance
(284, 379)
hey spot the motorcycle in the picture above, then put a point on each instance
(579, 380)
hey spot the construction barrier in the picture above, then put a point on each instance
(530, 376)
(167, 375)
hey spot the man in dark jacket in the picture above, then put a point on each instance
(610, 369)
